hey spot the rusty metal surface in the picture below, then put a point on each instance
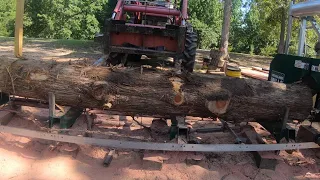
(128, 50)
(117, 26)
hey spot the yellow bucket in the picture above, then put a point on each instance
(233, 71)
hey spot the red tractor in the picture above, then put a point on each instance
(151, 28)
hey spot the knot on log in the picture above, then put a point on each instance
(38, 76)
(101, 91)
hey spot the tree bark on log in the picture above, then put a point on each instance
(154, 92)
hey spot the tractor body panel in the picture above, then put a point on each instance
(150, 27)
(143, 38)
(146, 27)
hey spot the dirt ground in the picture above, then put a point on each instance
(25, 158)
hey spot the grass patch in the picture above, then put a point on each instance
(72, 44)
(87, 45)
(6, 39)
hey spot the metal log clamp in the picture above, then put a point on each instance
(225, 126)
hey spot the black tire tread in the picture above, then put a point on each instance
(189, 53)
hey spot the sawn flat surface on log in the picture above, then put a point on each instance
(154, 92)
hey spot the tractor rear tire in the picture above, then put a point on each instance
(115, 58)
(134, 57)
(189, 53)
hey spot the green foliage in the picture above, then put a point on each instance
(7, 15)
(62, 19)
(206, 18)
(259, 32)
(207, 37)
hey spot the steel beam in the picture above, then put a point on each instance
(129, 50)
(316, 27)
(150, 9)
(302, 37)
(156, 146)
(52, 108)
(307, 8)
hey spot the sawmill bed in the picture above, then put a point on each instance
(79, 133)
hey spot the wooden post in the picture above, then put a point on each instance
(18, 37)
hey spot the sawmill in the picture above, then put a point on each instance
(287, 95)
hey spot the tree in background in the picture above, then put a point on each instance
(276, 15)
(62, 19)
(224, 42)
(236, 24)
(263, 27)
(105, 12)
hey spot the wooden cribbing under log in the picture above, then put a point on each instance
(153, 92)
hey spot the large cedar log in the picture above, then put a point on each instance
(153, 92)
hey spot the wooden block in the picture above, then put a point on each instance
(264, 160)
(307, 134)
(153, 161)
(5, 117)
(41, 114)
(194, 159)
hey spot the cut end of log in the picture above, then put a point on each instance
(217, 107)
(178, 99)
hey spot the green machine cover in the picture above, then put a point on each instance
(289, 69)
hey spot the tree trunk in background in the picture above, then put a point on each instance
(154, 93)
(219, 57)
(282, 33)
(226, 25)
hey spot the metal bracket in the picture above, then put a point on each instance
(179, 128)
(226, 126)
(286, 131)
(67, 119)
(52, 108)
(280, 128)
